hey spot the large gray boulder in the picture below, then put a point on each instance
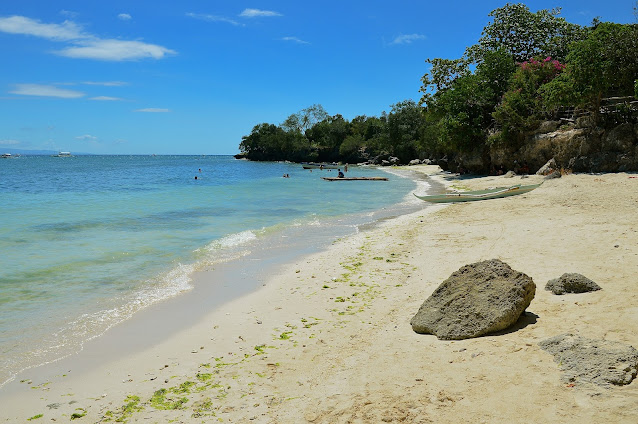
(571, 283)
(478, 299)
(600, 362)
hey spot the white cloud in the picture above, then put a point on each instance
(106, 83)
(124, 17)
(69, 13)
(106, 99)
(255, 13)
(86, 137)
(45, 91)
(407, 39)
(153, 110)
(295, 40)
(213, 18)
(83, 45)
(114, 50)
(66, 31)
(9, 142)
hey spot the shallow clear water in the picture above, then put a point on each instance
(87, 241)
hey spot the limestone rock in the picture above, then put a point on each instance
(548, 168)
(414, 162)
(548, 126)
(571, 283)
(600, 362)
(555, 174)
(509, 174)
(478, 299)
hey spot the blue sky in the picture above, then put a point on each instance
(193, 77)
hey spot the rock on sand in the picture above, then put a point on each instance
(600, 362)
(478, 299)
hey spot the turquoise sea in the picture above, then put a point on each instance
(87, 241)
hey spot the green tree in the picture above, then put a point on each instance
(525, 34)
(465, 108)
(404, 124)
(521, 109)
(270, 142)
(603, 64)
(327, 136)
(305, 119)
(443, 72)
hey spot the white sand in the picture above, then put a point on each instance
(329, 340)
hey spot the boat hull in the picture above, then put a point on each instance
(355, 179)
(471, 196)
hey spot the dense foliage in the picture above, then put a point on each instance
(525, 68)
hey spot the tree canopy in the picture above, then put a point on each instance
(523, 69)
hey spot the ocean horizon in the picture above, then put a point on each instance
(88, 241)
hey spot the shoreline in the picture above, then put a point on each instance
(327, 339)
(149, 325)
(216, 283)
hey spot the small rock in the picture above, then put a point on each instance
(555, 174)
(571, 283)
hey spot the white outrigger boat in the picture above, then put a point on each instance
(470, 196)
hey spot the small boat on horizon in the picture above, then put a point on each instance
(6, 156)
(63, 155)
(469, 196)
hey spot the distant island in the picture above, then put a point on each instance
(533, 88)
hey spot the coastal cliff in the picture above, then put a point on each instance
(579, 147)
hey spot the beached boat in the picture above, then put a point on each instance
(354, 178)
(312, 165)
(469, 196)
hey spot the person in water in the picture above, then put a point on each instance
(340, 174)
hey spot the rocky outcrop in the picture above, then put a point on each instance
(478, 299)
(571, 283)
(581, 147)
(600, 362)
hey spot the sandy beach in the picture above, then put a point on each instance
(328, 339)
